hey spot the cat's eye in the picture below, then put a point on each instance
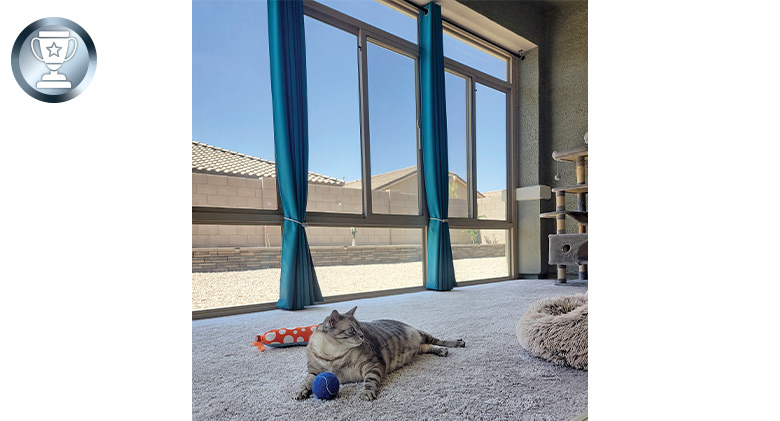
(352, 330)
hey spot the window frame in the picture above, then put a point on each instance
(365, 33)
(509, 87)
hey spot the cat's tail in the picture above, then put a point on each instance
(429, 339)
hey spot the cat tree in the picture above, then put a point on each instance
(570, 249)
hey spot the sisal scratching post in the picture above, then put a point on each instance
(582, 228)
(560, 223)
(561, 253)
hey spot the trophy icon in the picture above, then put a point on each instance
(54, 48)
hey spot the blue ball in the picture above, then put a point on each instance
(325, 386)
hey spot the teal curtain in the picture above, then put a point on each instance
(441, 272)
(298, 283)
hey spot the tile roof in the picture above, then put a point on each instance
(214, 160)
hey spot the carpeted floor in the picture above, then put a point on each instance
(492, 378)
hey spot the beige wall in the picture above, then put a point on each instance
(334, 199)
(234, 192)
(236, 236)
(408, 185)
(240, 192)
(493, 208)
(395, 202)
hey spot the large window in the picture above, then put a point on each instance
(231, 81)
(350, 260)
(479, 59)
(478, 143)
(393, 122)
(378, 14)
(365, 211)
(457, 147)
(491, 148)
(484, 257)
(235, 265)
(334, 117)
(232, 119)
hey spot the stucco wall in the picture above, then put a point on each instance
(568, 86)
(568, 93)
(408, 185)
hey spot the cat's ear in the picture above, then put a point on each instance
(334, 317)
(352, 312)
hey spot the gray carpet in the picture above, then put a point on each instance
(492, 378)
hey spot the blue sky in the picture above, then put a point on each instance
(231, 92)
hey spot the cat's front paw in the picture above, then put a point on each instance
(303, 394)
(460, 344)
(368, 395)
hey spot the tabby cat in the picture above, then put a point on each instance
(367, 351)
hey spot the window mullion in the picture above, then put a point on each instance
(471, 146)
(422, 203)
(461, 69)
(365, 140)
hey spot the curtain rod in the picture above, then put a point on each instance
(518, 54)
(406, 2)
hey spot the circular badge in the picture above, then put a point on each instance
(53, 59)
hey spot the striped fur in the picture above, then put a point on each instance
(366, 351)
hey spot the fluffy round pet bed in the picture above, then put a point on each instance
(556, 329)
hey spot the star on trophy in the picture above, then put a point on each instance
(54, 49)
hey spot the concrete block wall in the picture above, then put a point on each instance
(457, 207)
(342, 236)
(493, 208)
(363, 255)
(271, 236)
(242, 192)
(253, 193)
(231, 259)
(394, 202)
(236, 236)
(234, 192)
(324, 198)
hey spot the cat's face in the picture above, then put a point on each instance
(343, 328)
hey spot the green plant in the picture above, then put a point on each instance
(453, 190)
(474, 233)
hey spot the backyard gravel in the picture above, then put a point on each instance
(222, 289)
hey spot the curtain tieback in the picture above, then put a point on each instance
(443, 221)
(296, 221)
